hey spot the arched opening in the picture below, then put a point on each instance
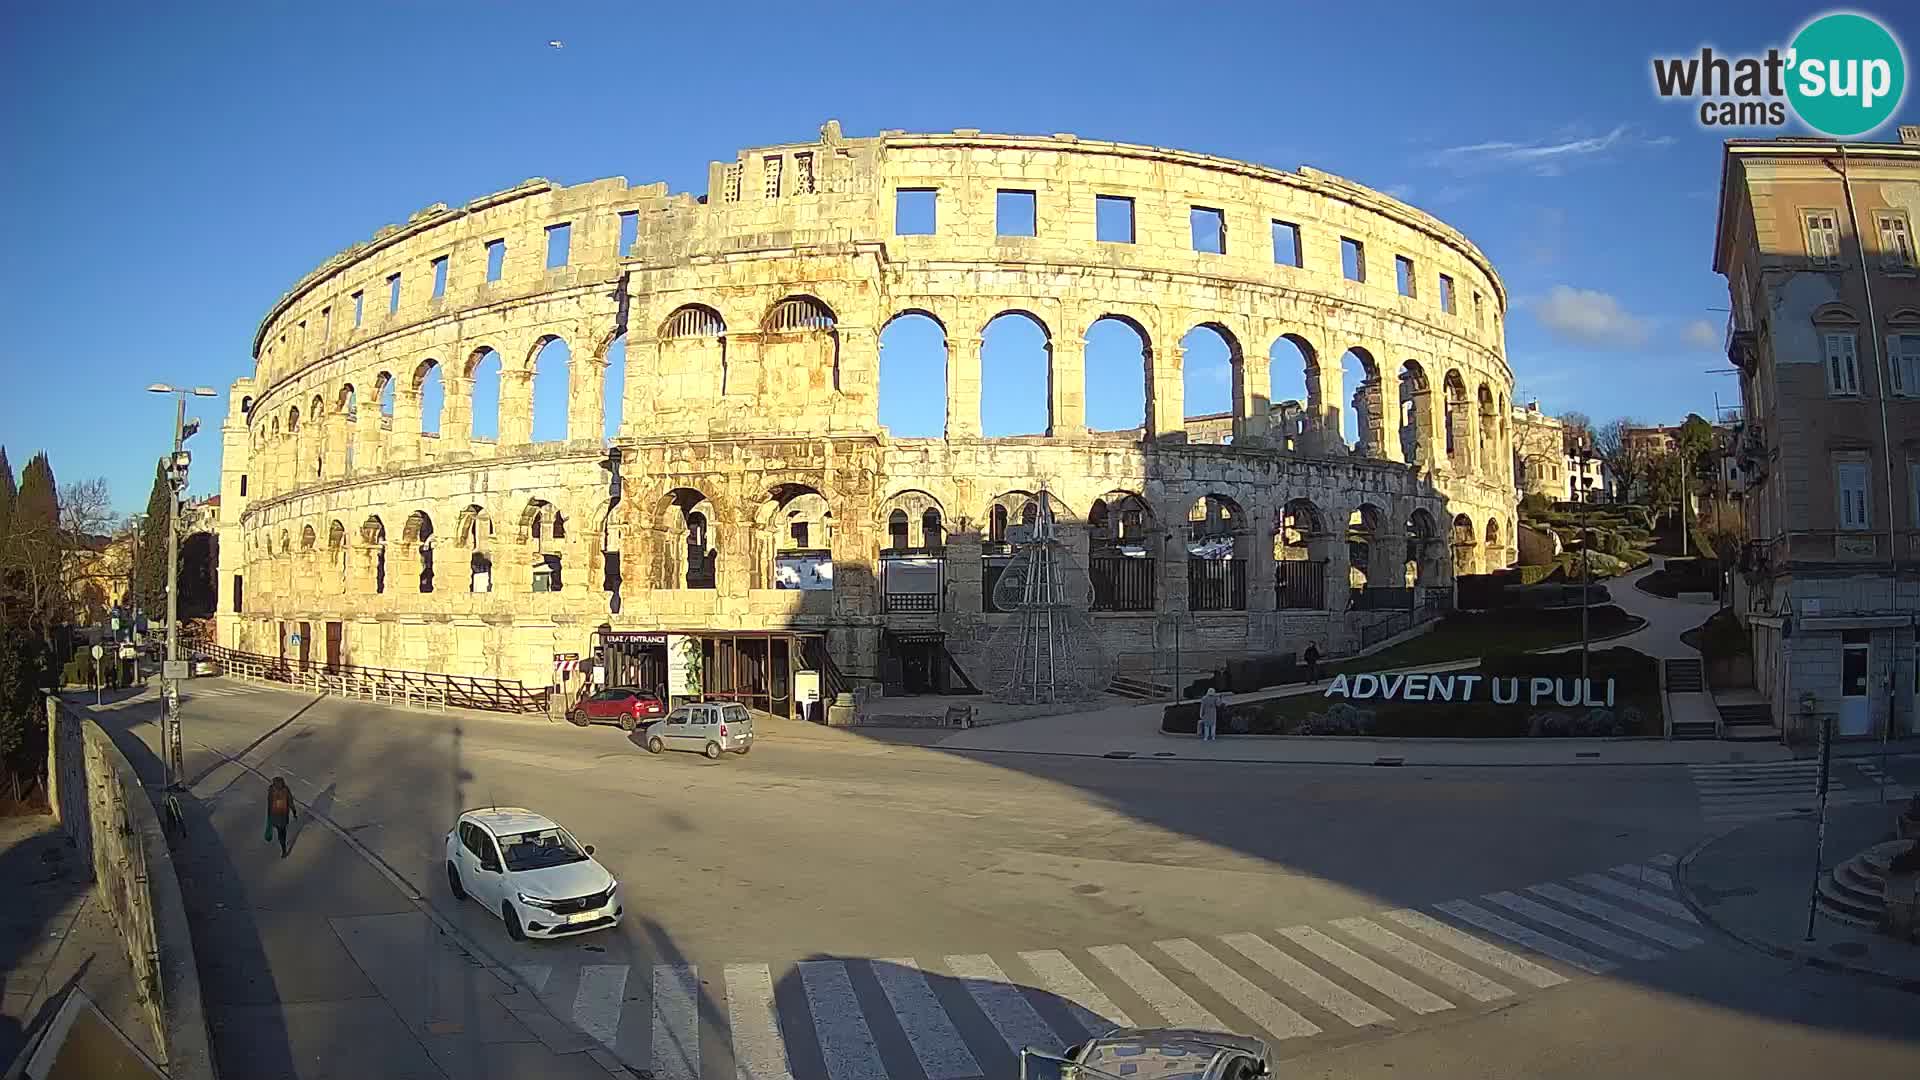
(383, 388)
(1217, 543)
(417, 538)
(1459, 423)
(1489, 431)
(552, 390)
(689, 554)
(1016, 364)
(1123, 550)
(1496, 551)
(483, 384)
(1210, 379)
(373, 537)
(1293, 388)
(1415, 423)
(1117, 373)
(693, 341)
(542, 526)
(1363, 526)
(1366, 409)
(474, 534)
(612, 574)
(307, 538)
(1421, 536)
(433, 396)
(793, 538)
(997, 525)
(317, 411)
(1300, 557)
(1465, 546)
(913, 376)
(800, 347)
(913, 566)
(348, 405)
(1004, 515)
(613, 388)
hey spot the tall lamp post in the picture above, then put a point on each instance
(1584, 458)
(170, 741)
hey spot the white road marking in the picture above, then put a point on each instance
(1579, 928)
(1417, 998)
(676, 1022)
(1316, 987)
(535, 975)
(596, 1004)
(846, 1043)
(1172, 1003)
(1645, 876)
(1012, 1014)
(1088, 1003)
(1662, 904)
(759, 1051)
(1663, 859)
(936, 1042)
(1467, 981)
(1521, 935)
(1254, 1003)
(1618, 916)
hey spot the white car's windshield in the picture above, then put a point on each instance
(539, 849)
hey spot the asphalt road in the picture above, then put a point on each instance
(1159, 886)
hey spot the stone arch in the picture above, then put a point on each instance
(337, 535)
(693, 342)
(550, 375)
(1363, 533)
(1489, 430)
(1217, 550)
(307, 538)
(793, 539)
(473, 533)
(1008, 509)
(1416, 421)
(1465, 545)
(687, 555)
(1118, 370)
(416, 538)
(913, 519)
(486, 382)
(911, 343)
(1422, 542)
(317, 421)
(1299, 410)
(1016, 371)
(429, 391)
(373, 538)
(1123, 552)
(1457, 424)
(1494, 548)
(383, 386)
(1361, 370)
(800, 346)
(1212, 368)
(541, 528)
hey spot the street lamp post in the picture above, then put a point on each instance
(1583, 459)
(170, 741)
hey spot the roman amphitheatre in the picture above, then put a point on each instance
(612, 419)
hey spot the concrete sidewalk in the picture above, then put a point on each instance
(1753, 883)
(317, 965)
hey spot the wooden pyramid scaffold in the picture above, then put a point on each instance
(1048, 652)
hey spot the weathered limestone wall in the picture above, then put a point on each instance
(750, 321)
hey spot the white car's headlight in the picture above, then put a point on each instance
(535, 901)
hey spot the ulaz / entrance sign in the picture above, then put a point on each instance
(1423, 686)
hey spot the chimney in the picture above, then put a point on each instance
(1910, 134)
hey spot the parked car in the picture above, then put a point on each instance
(623, 705)
(1182, 1053)
(531, 872)
(709, 727)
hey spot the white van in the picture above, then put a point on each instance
(710, 727)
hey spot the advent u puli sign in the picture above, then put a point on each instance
(1421, 686)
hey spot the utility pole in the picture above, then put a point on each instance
(173, 755)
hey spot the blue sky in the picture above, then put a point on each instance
(171, 169)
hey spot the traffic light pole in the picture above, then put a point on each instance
(175, 756)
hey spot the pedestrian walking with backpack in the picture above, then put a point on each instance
(280, 810)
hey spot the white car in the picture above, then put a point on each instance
(531, 872)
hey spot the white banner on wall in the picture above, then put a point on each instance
(683, 652)
(809, 572)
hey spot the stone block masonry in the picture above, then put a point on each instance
(370, 513)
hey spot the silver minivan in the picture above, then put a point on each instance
(710, 727)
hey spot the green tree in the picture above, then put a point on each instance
(8, 492)
(32, 606)
(150, 559)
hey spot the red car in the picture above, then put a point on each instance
(622, 705)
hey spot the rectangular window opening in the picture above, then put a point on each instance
(393, 293)
(915, 211)
(1446, 294)
(1896, 242)
(1823, 237)
(1209, 227)
(803, 174)
(1903, 361)
(1479, 311)
(1113, 219)
(243, 485)
(496, 259)
(1843, 374)
(439, 277)
(1403, 276)
(629, 231)
(771, 165)
(359, 304)
(559, 244)
(1286, 244)
(1015, 213)
(326, 324)
(1353, 259)
(1850, 485)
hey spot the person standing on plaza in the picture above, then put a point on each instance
(1312, 657)
(1209, 714)
(280, 810)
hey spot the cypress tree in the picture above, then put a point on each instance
(8, 492)
(150, 572)
(36, 508)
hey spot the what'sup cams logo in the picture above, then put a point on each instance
(1843, 75)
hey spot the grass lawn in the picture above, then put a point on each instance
(1464, 635)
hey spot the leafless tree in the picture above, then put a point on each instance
(1627, 462)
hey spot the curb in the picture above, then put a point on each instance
(415, 896)
(1806, 956)
(1169, 755)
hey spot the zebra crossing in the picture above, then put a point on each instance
(968, 1015)
(1732, 794)
(189, 693)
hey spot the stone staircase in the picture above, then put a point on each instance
(1855, 892)
(1686, 682)
(1127, 686)
(1685, 676)
(1747, 722)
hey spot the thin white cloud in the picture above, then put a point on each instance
(1590, 318)
(1403, 192)
(1542, 157)
(1700, 334)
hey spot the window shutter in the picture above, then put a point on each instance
(1896, 359)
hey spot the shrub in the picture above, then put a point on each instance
(1537, 505)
